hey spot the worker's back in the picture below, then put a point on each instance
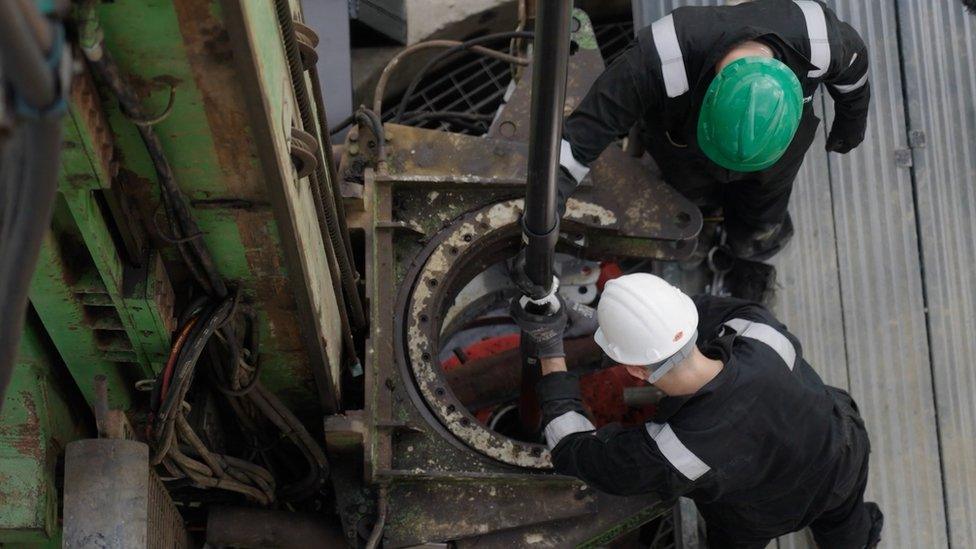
(778, 442)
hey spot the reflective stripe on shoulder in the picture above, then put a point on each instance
(564, 425)
(669, 50)
(848, 88)
(683, 459)
(568, 161)
(768, 335)
(817, 34)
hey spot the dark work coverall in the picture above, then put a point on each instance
(659, 83)
(764, 448)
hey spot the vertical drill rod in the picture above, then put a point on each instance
(550, 57)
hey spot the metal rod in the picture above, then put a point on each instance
(550, 59)
(322, 185)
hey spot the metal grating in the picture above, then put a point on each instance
(939, 53)
(476, 85)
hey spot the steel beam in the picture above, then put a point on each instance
(39, 417)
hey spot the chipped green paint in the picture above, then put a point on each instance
(183, 43)
(81, 177)
(584, 36)
(62, 309)
(39, 418)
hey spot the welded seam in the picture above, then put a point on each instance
(899, 37)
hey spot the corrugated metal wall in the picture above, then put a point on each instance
(882, 296)
(938, 41)
(879, 281)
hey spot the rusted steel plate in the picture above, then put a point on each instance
(437, 511)
(584, 67)
(643, 205)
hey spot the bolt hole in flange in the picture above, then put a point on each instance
(470, 379)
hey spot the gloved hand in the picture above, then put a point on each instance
(582, 320)
(845, 134)
(542, 333)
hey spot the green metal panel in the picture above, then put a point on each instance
(68, 311)
(83, 174)
(183, 44)
(40, 416)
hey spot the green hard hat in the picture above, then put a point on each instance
(750, 113)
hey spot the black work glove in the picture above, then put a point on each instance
(582, 320)
(845, 134)
(542, 333)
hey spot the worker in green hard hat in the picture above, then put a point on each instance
(722, 99)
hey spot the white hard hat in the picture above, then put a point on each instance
(644, 321)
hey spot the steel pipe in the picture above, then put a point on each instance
(550, 59)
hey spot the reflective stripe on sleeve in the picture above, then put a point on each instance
(566, 424)
(848, 88)
(767, 335)
(683, 459)
(669, 50)
(817, 34)
(568, 161)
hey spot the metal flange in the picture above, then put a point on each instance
(447, 264)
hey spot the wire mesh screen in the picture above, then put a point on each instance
(463, 96)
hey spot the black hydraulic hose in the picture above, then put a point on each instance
(23, 60)
(550, 59)
(320, 182)
(467, 45)
(28, 185)
(29, 163)
(191, 244)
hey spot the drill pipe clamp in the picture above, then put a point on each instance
(542, 244)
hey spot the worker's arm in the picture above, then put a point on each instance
(615, 102)
(614, 459)
(847, 82)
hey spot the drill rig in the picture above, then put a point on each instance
(239, 336)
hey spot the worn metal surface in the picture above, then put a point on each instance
(435, 190)
(593, 531)
(39, 417)
(938, 47)
(883, 298)
(108, 509)
(258, 528)
(437, 511)
(644, 206)
(272, 113)
(71, 302)
(113, 500)
(86, 275)
(210, 144)
(454, 257)
(585, 65)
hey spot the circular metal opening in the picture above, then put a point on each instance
(432, 309)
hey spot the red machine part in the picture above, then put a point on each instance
(602, 390)
(609, 270)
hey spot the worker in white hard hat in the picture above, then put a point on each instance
(747, 428)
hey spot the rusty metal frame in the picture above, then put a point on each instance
(276, 180)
